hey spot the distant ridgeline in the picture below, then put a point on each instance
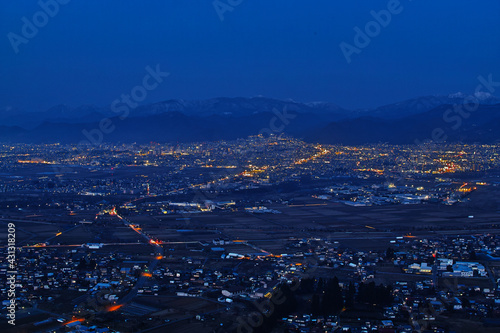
(433, 118)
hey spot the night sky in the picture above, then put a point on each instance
(92, 51)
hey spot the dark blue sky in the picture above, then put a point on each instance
(92, 51)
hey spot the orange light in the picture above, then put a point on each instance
(159, 257)
(147, 274)
(114, 307)
(59, 233)
(74, 321)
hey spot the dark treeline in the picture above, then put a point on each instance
(319, 297)
(329, 298)
(281, 304)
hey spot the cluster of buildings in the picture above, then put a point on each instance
(430, 277)
(390, 194)
(43, 273)
(232, 165)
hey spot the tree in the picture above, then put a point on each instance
(306, 285)
(315, 305)
(389, 253)
(473, 255)
(372, 294)
(351, 292)
(332, 301)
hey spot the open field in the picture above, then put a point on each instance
(353, 227)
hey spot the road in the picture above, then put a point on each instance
(60, 233)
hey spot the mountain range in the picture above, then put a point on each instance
(440, 118)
